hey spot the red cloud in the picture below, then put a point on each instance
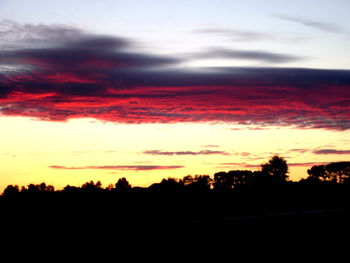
(93, 76)
(62, 99)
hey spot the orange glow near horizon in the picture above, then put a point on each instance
(35, 151)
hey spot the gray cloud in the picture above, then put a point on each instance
(328, 27)
(255, 55)
(119, 167)
(53, 47)
(331, 151)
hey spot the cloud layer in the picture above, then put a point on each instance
(331, 151)
(120, 167)
(255, 55)
(236, 34)
(203, 152)
(60, 73)
(320, 25)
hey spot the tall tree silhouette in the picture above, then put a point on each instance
(275, 170)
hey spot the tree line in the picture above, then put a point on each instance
(242, 211)
(273, 173)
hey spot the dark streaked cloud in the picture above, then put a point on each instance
(254, 55)
(104, 77)
(324, 26)
(167, 153)
(83, 55)
(120, 167)
(331, 151)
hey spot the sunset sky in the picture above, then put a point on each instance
(98, 90)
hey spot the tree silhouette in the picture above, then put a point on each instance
(337, 172)
(233, 179)
(91, 186)
(33, 188)
(71, 189)
(198, 183)
(169, 185)
(122, 185)
(187, 180)
(275, 170)
(11, 190)
(317, 173)
(222, 182)
(46, 188)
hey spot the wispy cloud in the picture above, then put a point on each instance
(300, 164)
(232, 164)
(254, 55)
(258, 166)
(236, 34)
(250, 128)
(120, 167)
(324, 26)
(331, 151)
(203, 152)
(299, 150)
(243, 154)
(305, 164)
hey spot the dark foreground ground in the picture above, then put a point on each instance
(217, 227)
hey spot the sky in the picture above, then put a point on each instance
(99, 90)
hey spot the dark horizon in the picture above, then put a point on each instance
(251, 214)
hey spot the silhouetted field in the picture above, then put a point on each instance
(264, 218)
(280, 222)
